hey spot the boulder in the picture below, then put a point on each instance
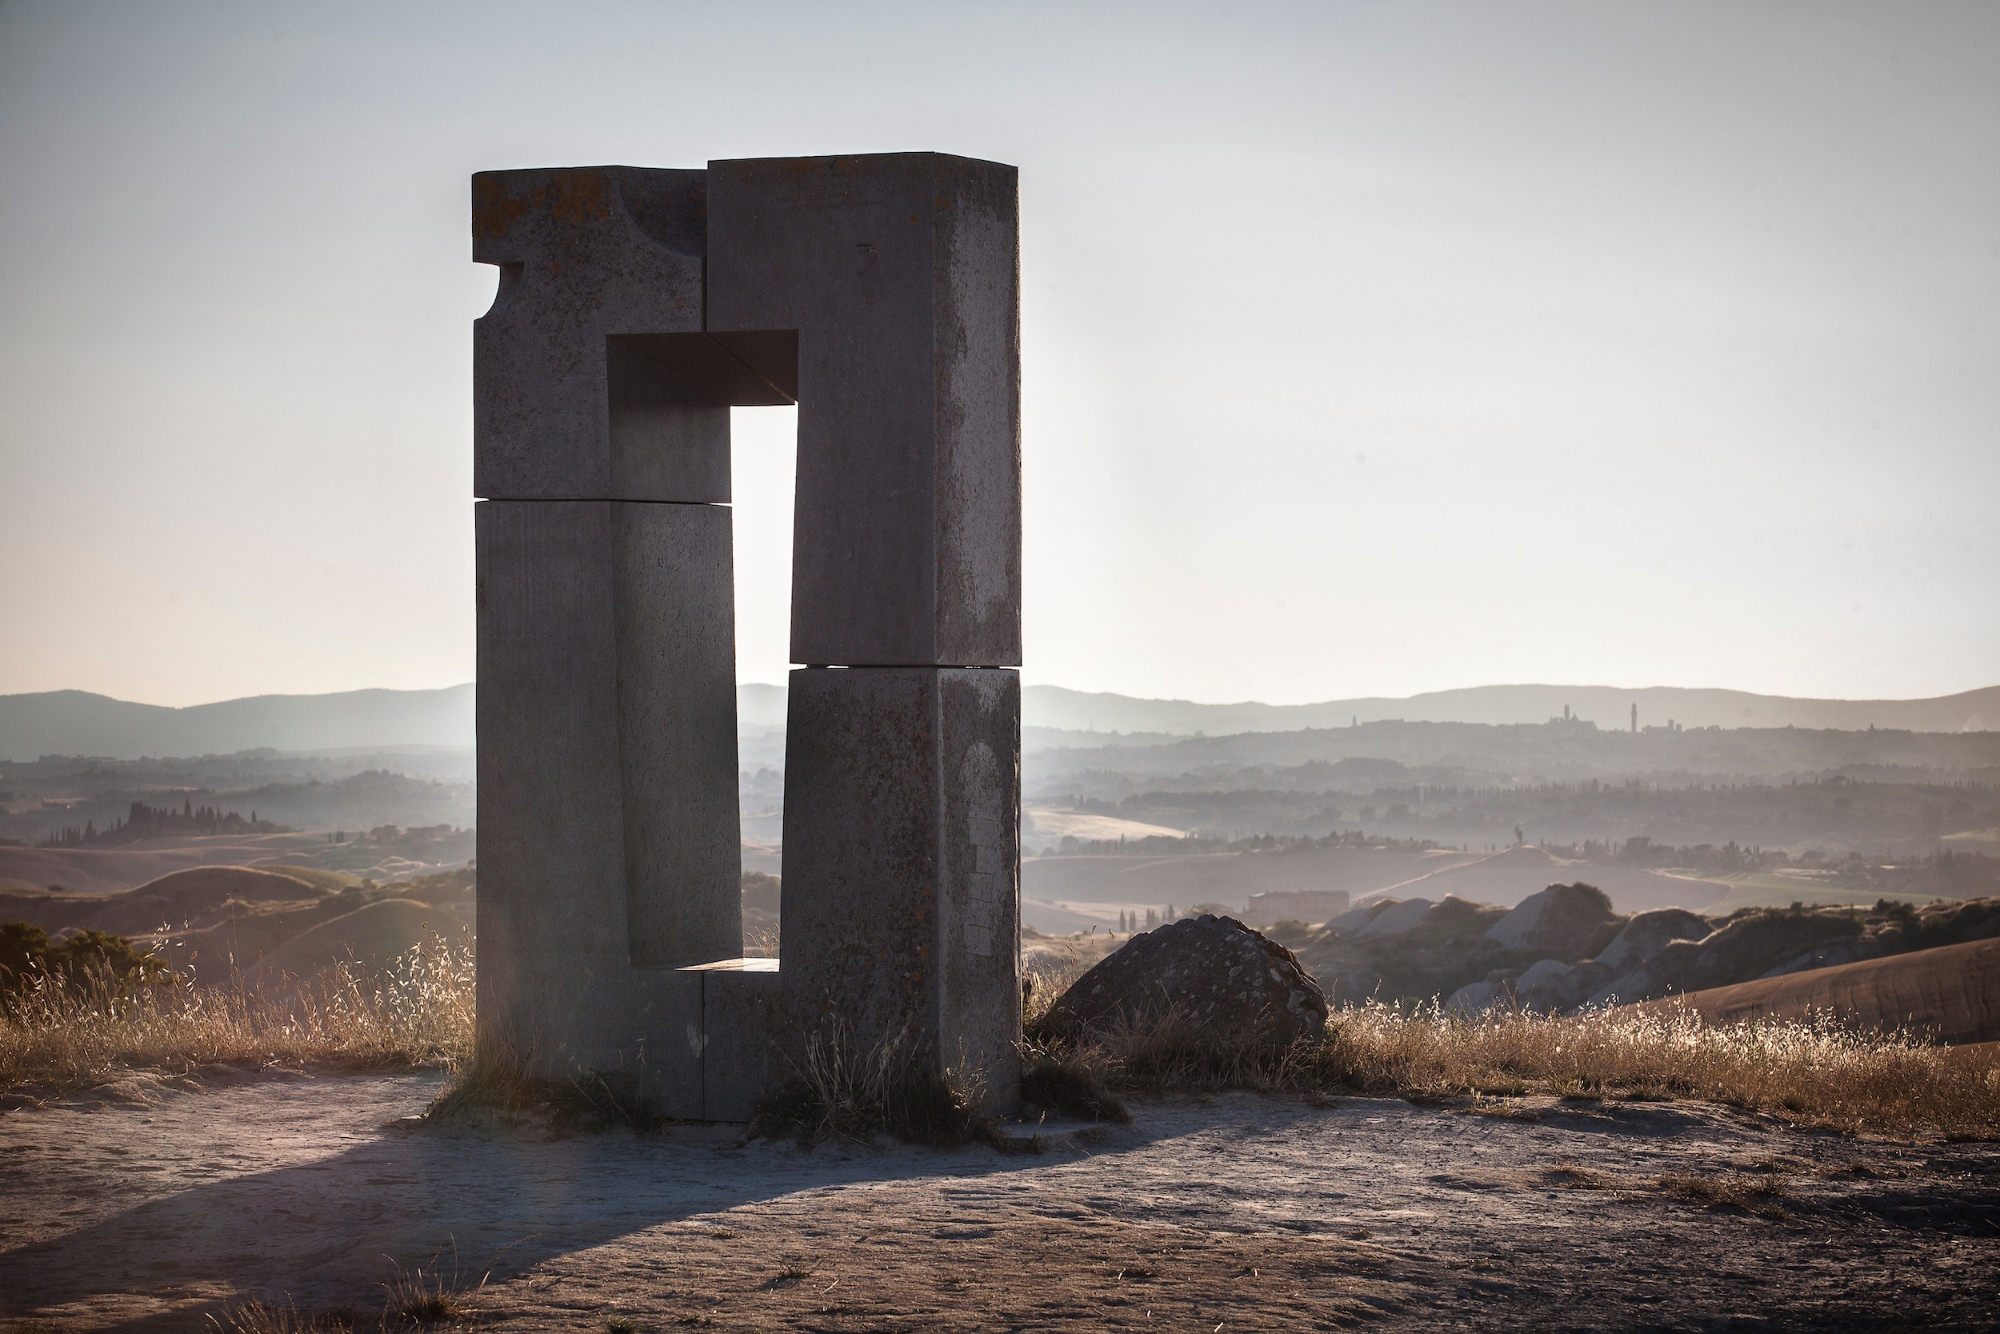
(1648, 934)
(1570, 920)
(1225, 977)
(1398, 918)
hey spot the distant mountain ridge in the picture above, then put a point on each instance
(1607, 706)
(76, 722)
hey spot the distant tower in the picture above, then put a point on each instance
(1565, 713)
(1635, 717)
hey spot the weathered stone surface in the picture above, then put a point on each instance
(899, 273)
(740, 1027)
(634, 308)
(1216, 971)
(901, 891)
(1647, 934)
(607, 766)
(586, 252)
(1562, 920)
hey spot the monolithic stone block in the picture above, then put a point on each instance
(742, 1027)
(587, 252)
(676, 637)
(900, 275)
(607, 773)
(901, 896)
(630, 317)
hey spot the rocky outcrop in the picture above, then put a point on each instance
(1477, 998)
(1354, 919)
(1552, 985)
(1547, 987)
(1649, 933)
(1570, 921)
(1227, 979)
(1398, 918)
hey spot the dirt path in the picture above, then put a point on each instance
(1240, 1213)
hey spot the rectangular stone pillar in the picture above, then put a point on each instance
(899, 274)
(609, 850)
(607, 768)
(901, 894)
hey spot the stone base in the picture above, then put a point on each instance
(901, 903)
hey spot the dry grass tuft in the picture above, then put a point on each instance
(1751, 1194)
(1571, 1177)
(1818, 1074)
(841, 1090)
(1053, 1077)
(416, 1012)
(270, 1318)
(428, 1296)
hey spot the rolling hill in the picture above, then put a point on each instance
(1607, 706)
(76, 722)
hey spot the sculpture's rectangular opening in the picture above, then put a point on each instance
(763, 464)
(675, 468)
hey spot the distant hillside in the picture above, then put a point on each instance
(75, 722)
(1607, 706)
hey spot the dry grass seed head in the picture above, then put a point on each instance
(1815, 1074)
(424, 1296)
(843, 1089)
(270, 1318)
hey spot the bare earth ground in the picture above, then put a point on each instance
(1236, 1213)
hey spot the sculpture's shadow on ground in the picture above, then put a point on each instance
(476, 1203)
(470, 1203)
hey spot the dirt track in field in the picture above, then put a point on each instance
(1239, 1213)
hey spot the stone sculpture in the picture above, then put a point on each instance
(635, 308)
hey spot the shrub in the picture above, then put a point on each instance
(27, 957)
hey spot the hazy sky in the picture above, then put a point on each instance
(1368, 348)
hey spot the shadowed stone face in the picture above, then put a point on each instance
(635, 307)
(1213, 974)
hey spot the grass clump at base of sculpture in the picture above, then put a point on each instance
(83, 1025)
(1820, 1074)
(842, 1089)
